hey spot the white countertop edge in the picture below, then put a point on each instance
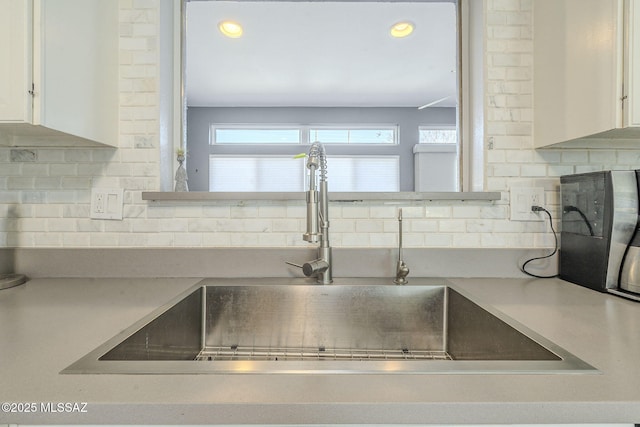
(339, 414)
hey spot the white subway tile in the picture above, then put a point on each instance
(506, 170)
(216, 211)
(39, 196)
(480, 225)
(369, 226)
(103, 240)
(44, 211)
(61, 224)
(244, 211)
(216, 239)
(440, 240)
(436, 212)
(144, 225)
(294, 225)
(494, 212)
(189, 240)
(76, 240)
(47, 239)
(355, 240)
(90, 225)
(466, 211)
(27, 224)
(244, 239)
(575, 156)
(466, 240)
(413, 240)
(383, 211)
(421, 225)
(355, 211)
(132, 239)
(133, 211)
(158, 240)
(533, 170)
(54, 191)
(339, 225)
(180, 225)
(382, 240)
(272, 239)
(452, 226)
(111, 226)
(272, 211)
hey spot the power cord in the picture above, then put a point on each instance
(555, 249)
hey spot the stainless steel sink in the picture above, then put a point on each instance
(270, 328)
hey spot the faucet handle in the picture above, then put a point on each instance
(312, 267)
(293, 264)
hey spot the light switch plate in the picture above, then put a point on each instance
(107, 203)
(521, 200)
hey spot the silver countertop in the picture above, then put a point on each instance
(47, 324)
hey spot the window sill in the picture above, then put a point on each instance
(161, 196)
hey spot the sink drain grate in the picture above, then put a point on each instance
(322, 353)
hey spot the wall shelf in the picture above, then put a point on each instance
(162, 196)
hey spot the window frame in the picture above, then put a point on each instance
(470, 115)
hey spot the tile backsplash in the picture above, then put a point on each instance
(45, 193)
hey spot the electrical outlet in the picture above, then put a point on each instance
(521, 200)
(107, 203)
(99, 202)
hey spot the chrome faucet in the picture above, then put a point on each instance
(318, 217)
(402, 270)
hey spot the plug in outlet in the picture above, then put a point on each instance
(99, 202)
(107, 203)
(522, 198)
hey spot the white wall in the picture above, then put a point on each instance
(45, 203)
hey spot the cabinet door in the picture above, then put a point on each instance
(77, 46)
(632, 63)
(577, 68)
(15, 61)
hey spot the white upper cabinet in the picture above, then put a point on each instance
(58, 72)
(586, 93)
(15, 62)
(632, 65)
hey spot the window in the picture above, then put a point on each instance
(299, 134)
(438, 135)
(243, 158)
(365, 173)
(282, 174)
(334, 135)
(256, 174)
(258, 135)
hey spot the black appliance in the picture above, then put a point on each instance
(599, 242)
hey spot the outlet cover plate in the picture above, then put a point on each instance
(107, 203)
(521, 200)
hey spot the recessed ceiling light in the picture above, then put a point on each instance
(401, 29)
(230, 29)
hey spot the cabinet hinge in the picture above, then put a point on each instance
(32, 92)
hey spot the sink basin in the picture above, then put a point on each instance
(270, 328)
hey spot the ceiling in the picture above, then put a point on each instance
(321, 54)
